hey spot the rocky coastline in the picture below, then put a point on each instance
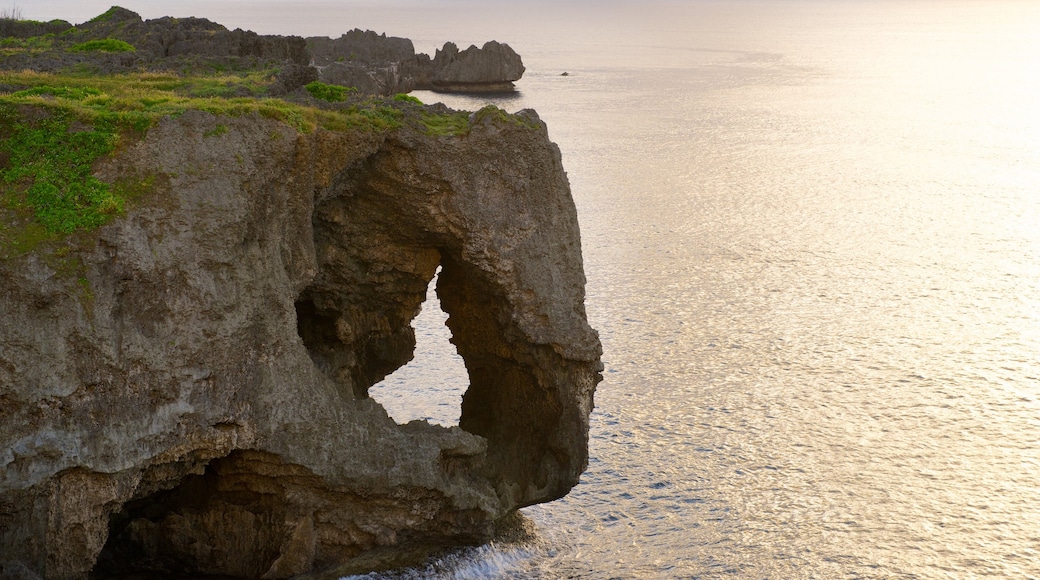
(364, 60)
(203, 271)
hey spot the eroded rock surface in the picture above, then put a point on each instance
(369, 62)
(376, 63)
(184, 390)
(372, 63)
(165, 43)
(494, 67)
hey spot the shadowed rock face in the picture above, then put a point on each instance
(192, 398)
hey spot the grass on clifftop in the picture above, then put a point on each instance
(54, 130)
(55, 127)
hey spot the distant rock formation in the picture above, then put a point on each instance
(173, 37)
(10, 28)
(372, 63)
(376, 63)
(159, 44)
(492, 68)
(184, 389)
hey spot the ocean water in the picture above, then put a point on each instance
(811, 232)
(812, 237)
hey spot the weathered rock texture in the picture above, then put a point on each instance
(12, 28)
(372, 63)
(184, 390)
(376, 63)
(491, 68)
(161, 43)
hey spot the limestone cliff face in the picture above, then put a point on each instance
(191, 398)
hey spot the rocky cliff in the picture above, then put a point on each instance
(494, 67)
(369, 62)
(159, 44)
(379, 64)
(183, 389)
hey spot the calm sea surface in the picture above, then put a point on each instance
(812, 238)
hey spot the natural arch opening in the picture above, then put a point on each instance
(431, 386)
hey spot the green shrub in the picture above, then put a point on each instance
(330, 93)
(405, 98)
(104, 45)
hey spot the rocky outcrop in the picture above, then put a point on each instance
(11, 28)
(174, 37)
(489, 69)
(372, 63)
(376, 63)
(161, 44)
(369, 62)
(184, 389)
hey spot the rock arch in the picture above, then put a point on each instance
(235, 327)
(503, 230)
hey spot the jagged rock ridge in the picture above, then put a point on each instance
(380, 64)
(201, 404)
(372, 63)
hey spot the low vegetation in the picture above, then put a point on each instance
(55, 127)
(330, 93)
(103, 45)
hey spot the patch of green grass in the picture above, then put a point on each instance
(330, 93)
(501, 116)
(103, 45)
(378, 115)
(74, 93)
(106, 15)
(406, 98)
(49, 162)
(447, 124)
(31, 44)
(54, 131)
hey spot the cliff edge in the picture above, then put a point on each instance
(183, 380)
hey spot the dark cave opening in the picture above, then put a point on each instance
(226, 522)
